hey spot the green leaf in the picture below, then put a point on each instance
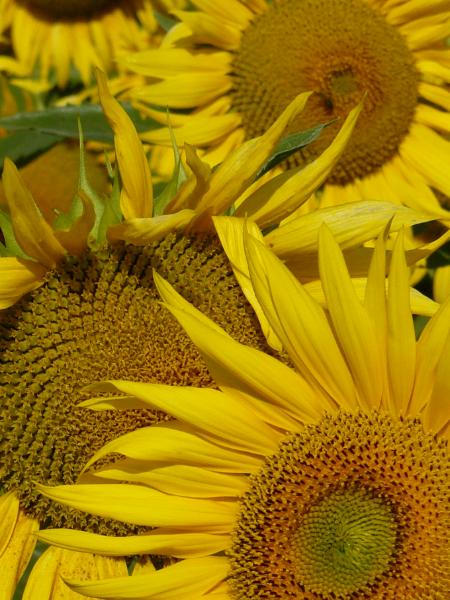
(291, 143)
(164, 21)
(25, 144)
(63, 121)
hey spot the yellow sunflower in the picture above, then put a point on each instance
(48, 35)
(235, 65)
(327, 480)
(78, 304)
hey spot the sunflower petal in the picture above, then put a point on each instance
(297, 186)
(165, 445)
(429, 350)
(17, 541)
(351, 224)
(240, 168)
(33, 233)
(17, 278)
(158, 541)
(143, 506)
(45, 581)
(137, 197)
(353, 328)
(401, 342)
(230, 231)
(179, 480)
(437, 413)
(300, 324)
(144, 231)
(210, 411)
(238, 366)
(194, 577)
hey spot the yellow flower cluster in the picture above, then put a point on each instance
(217, 379)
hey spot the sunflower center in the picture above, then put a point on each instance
(357, 506)
(341, 50)
(95, 318)
(68, 9)
(344, 542)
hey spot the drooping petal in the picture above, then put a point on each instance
(46, 579)
(210, 411)
(191, 578)
(158, 541)
(238, 366)
(17, 541)
(143, 506)
(145, 231)
(165, 445)
(17, 278)
(33, 233)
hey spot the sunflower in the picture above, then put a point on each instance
(326, 480)
(236, 65)
(55, 36)
(78, 304)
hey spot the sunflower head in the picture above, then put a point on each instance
(342, 485)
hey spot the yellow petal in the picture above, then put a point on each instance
(75, 240)
(230, 231)
(166, 445)
(297, 185)
(210, 29)
(33, 233)
(353, 328)
(134, 170)
(240, 168)
(351, 224)
(401, 342)
(195, 187)
(238, 366)
(17, 541)
(302, 327)
(158, 541)
(441, 283)
(189, 579)
(430, 348)
(167, 62)
(143, 506)
(178, 480)
(437, 413)
(210, 411)
(187, 90)
(46, 579)
(141, 232)
(17, 278)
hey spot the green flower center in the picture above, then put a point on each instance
(95, 318)
(344, 542)
(341, 50)
(357, 506)
(69, 9)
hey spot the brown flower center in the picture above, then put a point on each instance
(69, 9)
(341, 50)
(96, 318)
(357, 507)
